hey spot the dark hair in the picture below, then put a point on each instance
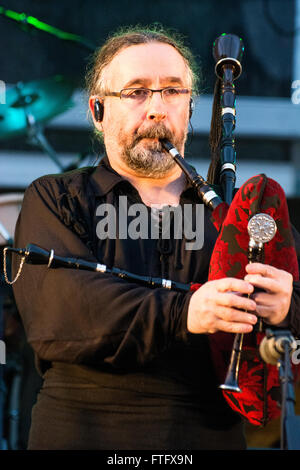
(130, 36)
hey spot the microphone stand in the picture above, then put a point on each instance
(290, 423)
(281, 344)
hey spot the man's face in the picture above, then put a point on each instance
(131, 133)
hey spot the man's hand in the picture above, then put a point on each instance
(273, 304)
(219, 306)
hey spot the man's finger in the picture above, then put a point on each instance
(265, 311)
(233, 315)
(234, 300)
(232, 284)
(262, 298)
(270, 285)
(265, 270)
(233, 327)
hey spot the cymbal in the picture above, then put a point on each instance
(38, 101)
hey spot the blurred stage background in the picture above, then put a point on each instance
(44, 127)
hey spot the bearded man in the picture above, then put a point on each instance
(126, 366)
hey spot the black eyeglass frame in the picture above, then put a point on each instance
(118, 94)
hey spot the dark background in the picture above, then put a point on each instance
(266, 27)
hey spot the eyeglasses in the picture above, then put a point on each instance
(136, 96)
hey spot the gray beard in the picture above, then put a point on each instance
(149, 160)
(152, 161)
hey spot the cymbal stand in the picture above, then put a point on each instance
(35, 132)
(37, 137)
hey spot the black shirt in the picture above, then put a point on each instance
(111, 346)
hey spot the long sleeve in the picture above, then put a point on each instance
(86, 317)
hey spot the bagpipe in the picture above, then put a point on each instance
(252, 224)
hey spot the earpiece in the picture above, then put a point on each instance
(192, 107)
(98, 110)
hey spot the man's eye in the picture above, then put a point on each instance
(171, 91)
(137, 93)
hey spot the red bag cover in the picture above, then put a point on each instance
(259, 381)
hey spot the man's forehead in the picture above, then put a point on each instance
(144, 63)
(147, 80)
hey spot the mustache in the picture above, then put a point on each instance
(159, 131)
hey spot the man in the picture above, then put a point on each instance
(126, 366)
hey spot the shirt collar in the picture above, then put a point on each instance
(105, 178)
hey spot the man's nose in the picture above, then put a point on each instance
(156, 108)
